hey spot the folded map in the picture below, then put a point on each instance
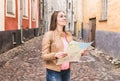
(74, 51)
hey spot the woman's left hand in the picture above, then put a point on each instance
(60, 54)
(84, 53)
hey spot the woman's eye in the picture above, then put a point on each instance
(62, 16)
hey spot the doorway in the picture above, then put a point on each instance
(92, 30)
(75, 28)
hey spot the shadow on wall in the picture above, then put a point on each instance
(85, 35)
(109, 42)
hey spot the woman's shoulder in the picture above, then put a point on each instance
(49, 33)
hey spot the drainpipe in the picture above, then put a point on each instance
(20, 17)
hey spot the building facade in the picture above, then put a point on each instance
(78, 17)
(19, 22)
(55, 5)
(71, 16)
(101, 25)
(108, 27)
(49, 7)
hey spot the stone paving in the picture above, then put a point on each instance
(23, 63)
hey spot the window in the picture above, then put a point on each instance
(42, 9)
(104, 10)
(11, 7)
(25, 8)
(33, 9)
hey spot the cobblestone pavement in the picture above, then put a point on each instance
(23, 63)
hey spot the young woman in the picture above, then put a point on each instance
(54, 44)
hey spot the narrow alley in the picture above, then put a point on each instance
(23, 63)
(23, 22)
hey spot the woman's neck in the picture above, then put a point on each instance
(59, 29)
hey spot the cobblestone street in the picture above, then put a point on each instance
(23, 63)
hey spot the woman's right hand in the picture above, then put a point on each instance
(60, 54)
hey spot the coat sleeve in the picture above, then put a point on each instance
(46, 45)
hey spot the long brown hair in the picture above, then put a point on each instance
(53, 22)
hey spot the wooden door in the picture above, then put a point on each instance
(92, 30)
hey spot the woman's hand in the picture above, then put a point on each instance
(60, 54)
(83, 53)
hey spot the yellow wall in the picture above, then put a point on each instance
(1, 15)
(106, 35)
(113, 17)
(93, 9)
(78, 14)
(89, 11)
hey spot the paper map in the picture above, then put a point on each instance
(74, 51)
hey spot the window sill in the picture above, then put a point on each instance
(25, 17)
(14, 43)
(102, 20)
(10, 15)
(33, 19)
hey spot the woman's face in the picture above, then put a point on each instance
(61, 19)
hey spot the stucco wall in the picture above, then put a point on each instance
(107, 32)
(113, 17)
(109, 42)
(11, 21)
(1, 15)
(78, 15)
(90, 9)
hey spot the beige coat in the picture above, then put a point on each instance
(51, 44)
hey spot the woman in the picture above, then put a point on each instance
(54, 44)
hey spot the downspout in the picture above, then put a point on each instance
(43, 14)
(20, 17)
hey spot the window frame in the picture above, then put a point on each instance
(25, 9)
(33, 10)
(13, 12)
(104, 10)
